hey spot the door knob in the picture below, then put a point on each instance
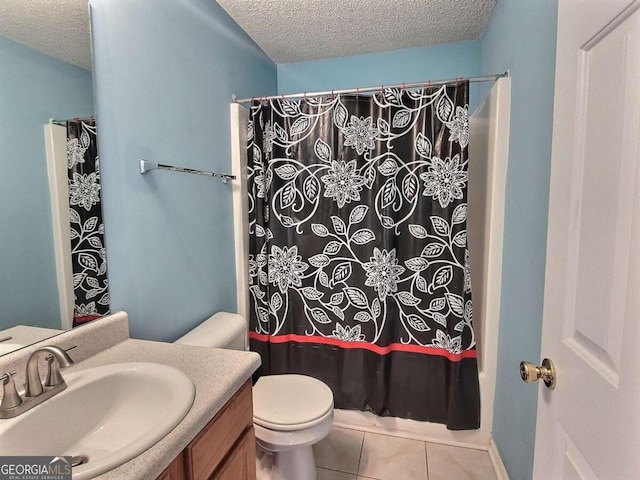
(547, 372)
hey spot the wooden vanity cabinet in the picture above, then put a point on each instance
(224, 449)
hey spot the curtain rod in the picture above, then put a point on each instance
(76, 119)
(428, 83)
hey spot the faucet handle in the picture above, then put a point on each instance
(54, 377)
(10, 396)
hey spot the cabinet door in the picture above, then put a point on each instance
(175, 471)
(241, 463)
(208, 450)
(226, 445)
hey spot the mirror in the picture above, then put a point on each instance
(46, 74)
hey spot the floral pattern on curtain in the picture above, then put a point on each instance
(359, 267)
(88, 254)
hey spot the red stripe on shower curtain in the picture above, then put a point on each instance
(380, 350)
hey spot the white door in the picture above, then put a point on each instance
(589, 426)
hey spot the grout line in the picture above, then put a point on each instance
(360, 457)
(380, 430)
(341, 427)
(426, 458)
(337, 471)
(365, 432)
(334, 470)
(414, 439)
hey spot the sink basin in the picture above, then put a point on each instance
(107, 414)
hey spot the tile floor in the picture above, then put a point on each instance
(355, 455)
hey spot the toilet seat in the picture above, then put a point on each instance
(291, 402)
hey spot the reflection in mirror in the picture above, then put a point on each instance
(73, 168)
(45, 74)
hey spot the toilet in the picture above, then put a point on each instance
(290, 412)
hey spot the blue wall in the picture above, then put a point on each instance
(164, 79)
(33, 88)
(411, 65)
(522, 37)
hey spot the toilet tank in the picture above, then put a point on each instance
(222, 330)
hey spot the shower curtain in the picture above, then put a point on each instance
(359, 267)
(88, 254)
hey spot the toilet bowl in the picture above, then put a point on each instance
(290, 412)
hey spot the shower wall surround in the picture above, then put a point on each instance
(164, 80)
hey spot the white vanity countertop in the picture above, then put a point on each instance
(217, 375)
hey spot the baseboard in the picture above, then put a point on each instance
(400, 427)
(496, 460)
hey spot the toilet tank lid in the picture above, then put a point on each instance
(217, 331)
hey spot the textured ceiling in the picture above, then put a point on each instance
(299, 30)
(287, 30)
(59, 28)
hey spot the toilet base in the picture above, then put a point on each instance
(294, 464)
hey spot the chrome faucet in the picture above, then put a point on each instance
(33, 385)
(35, 393)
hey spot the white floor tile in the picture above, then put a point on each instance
(340, 450)
(447, 463)
(392, 458)
(325, 474)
